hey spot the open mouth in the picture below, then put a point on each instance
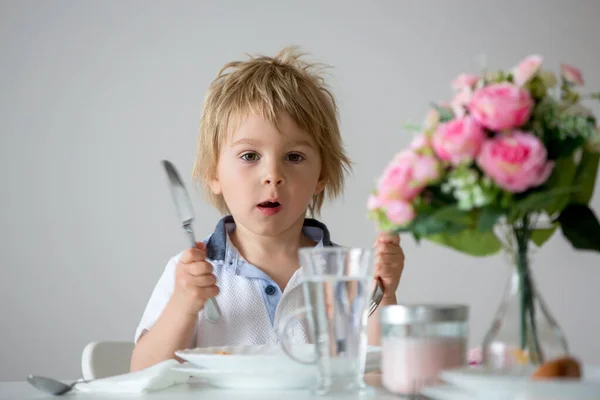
(269, 204)
(269, 208)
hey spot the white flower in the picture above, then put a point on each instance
(577, 109)
(465, 199)
(481, 200)
(471, 178)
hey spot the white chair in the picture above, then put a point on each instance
(103, 359)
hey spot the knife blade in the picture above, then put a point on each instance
(185, 212)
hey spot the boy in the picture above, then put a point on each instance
(269, 150)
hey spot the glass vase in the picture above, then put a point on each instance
(523, 332)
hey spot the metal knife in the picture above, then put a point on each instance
(185, 211)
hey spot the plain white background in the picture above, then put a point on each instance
(94, 94)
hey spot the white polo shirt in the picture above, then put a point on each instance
(251, 303)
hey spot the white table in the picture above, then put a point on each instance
(193, 390)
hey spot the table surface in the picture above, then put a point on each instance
(192, 390)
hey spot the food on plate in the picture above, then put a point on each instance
(227, 353)
(564, 367)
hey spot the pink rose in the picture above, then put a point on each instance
(419, 142)
(501, 106)
(464, 81)
(458, 140)
(527, 69)
(374, 202)
(460, 101)
(571, 74)
(426, 170)
(399, 212)
(516, 161)
(406, 175)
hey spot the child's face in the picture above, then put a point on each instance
(268, 177)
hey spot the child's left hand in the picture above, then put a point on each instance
(389, 263)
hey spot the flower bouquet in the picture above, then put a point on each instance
(511, 159)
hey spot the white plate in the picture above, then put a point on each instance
(300, 379)
(258, 367)
(264, 358)
(517, 382)
(447, 392)
(250, 380)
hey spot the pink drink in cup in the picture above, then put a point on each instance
(420, 341)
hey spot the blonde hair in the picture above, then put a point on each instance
(267, 86)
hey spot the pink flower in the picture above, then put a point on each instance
(399, 212)
(419, 142)
(460, 101)
(501, 106)
(426, 170)
(406, 175)
(464, 81)
(458, 140)
(527, 69)
(571, 74)
(516, 161)
(374, 202)
(475, 356)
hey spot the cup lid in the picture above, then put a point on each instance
(422, 313)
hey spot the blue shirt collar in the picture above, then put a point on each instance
(218, 247)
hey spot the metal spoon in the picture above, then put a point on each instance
(52, 386)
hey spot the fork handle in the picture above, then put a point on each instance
(212, 312)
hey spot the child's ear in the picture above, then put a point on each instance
(215, 186)
(320, 186)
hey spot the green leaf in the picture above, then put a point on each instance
(488, 218)
(416, 237)
(438, 198)
(563, 131)
(541, 236)
(413, 128)
(445, 219)
(469, 241)
(453, 214)
(446, 114)
(430, 226)
(536, 87)
(538, 201)
(585, 177)
(580, 226)
(561, 178)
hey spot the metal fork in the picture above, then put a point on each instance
(376, 298)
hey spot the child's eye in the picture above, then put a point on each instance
(250, 157)
(295, 157)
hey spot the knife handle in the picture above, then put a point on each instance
(212, 312)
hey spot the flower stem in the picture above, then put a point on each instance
(529, 337)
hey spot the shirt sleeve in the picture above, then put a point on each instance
(159, 298)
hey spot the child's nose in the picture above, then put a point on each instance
(273, 176)
(273, 179)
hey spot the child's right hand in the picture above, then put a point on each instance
(194, 280)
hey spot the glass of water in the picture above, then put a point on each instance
(337, 284)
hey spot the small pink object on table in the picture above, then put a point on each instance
(475, 356)
(419, 342)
